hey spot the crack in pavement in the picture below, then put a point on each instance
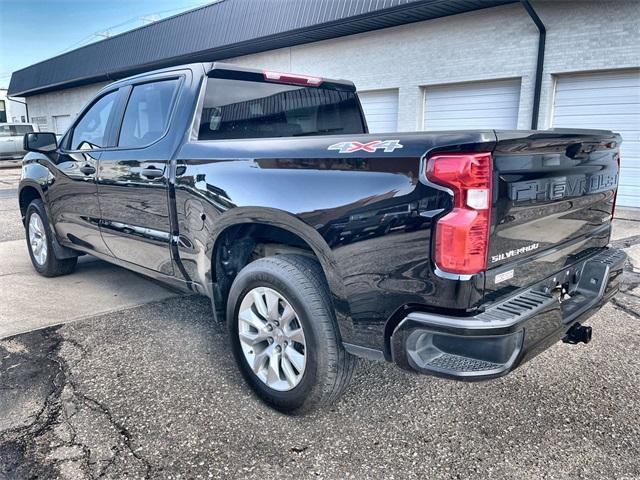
(50, 445)
(122, 430)
(14, 442)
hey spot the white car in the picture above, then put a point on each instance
(11, 135)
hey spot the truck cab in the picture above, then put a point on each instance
(11, 135)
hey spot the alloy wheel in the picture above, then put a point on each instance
(272, 338)
(38, 239)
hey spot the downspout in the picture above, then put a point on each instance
(540, 63)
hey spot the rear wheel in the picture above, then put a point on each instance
(39, 243)
(284, 334)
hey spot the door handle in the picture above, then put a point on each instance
(152, 172)
(88, 170)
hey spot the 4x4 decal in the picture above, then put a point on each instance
(351, 147)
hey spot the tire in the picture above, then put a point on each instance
(37, 225)
(327, 368)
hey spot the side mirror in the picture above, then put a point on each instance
(42, 142)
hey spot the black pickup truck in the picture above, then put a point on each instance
(460, 254)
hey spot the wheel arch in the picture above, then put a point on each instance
(37, 175)
(240, 226)
(28, 193)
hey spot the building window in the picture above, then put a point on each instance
(3, 111)
(41, 122)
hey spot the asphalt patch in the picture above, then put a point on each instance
(32, 380)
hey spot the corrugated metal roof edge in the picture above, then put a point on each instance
(111, 39)
(261, 43)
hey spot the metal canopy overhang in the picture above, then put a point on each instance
(226, 29)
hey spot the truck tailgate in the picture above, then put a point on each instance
(554, 195)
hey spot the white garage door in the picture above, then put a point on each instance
(476, 105)
(608, 100)
(381, 110)
(61, 123)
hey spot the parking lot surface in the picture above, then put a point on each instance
(29, 301)
(151, 391)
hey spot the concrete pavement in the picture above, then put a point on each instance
(29, 301)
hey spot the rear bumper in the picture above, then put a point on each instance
(508, 333)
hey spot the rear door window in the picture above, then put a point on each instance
(248, 109)
(147, 115)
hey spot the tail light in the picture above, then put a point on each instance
(292, 78)
(462, 236)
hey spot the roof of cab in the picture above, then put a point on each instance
(212, 68)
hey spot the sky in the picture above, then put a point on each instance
(34, 30)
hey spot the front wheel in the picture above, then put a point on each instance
(40, 244)
(284, 334)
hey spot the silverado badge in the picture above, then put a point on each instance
(514, 252)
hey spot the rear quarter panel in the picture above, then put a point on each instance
(367, 216)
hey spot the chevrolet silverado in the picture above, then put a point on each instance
(460, 254)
